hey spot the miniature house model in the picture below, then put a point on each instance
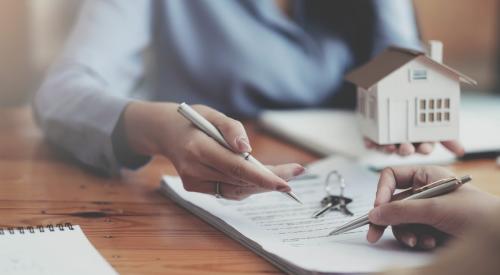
(406, 96)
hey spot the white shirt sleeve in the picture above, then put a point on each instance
(85, 92)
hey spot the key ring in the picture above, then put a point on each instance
(339, 179)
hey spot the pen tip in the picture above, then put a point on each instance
(294, 197)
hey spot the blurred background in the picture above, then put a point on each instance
(32, 32)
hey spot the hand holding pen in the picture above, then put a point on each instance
(246, 174)
(425, 223)
(157, 129)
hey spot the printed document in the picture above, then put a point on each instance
(286, 234)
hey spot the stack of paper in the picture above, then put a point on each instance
(284, 232)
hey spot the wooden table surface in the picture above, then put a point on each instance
(131, 224)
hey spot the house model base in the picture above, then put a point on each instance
(405, 96)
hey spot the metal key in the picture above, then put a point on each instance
(334, 203)
(328, 203)
(342, 206)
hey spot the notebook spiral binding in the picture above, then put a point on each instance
(36, 229)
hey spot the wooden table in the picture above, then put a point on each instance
(135, 228)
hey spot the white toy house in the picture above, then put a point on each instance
(404, 95)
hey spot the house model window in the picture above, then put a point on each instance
(418, 74)
(434, 110)
(406, 95)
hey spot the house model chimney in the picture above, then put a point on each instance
(435, 50)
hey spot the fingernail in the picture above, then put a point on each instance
(428, 242)
(409, 239)
(243, 144)
(283, 188)
(298, 170)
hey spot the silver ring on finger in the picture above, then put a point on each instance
(217, 193)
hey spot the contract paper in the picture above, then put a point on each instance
(284, 232)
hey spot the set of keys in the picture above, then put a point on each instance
(334, 202)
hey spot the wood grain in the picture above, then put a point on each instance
(135, 228)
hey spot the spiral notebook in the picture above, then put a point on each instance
(49, 250)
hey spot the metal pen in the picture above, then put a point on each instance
(209, 129)
(430, 190)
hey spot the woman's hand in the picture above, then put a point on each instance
(424, 223)
(424, 148)
(201, 162)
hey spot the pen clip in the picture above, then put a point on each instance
(410, 191)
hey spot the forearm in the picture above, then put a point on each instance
(81, 101)
(146, 126)
(77, 116)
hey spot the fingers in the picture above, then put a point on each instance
(403, 149)
(389, 149)
(425, 148)
(392, 179)
(232, 130)
(233, 192)
(404, 235)
(427, 242)
(369, 143)
(232, 165)
(227, 191)
(404, 212)
(419, 236)
(287, 171)
(234, 189)
(386, 186)
(406, 149)
(197, 172)
(454, 146)
(375, 232)
(284, 171)
(411, 235)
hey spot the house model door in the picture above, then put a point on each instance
(398, 120)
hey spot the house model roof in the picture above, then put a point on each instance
(389, 61)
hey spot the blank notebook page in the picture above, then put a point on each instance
(63, 250)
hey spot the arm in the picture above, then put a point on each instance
(83, 107)
(82, 97)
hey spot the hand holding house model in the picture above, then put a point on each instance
(406, 96)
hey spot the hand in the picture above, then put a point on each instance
(201, 162)
(424, 148)
(424, 223)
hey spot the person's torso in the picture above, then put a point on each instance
(243, 56)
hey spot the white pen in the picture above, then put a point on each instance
(209, 129)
